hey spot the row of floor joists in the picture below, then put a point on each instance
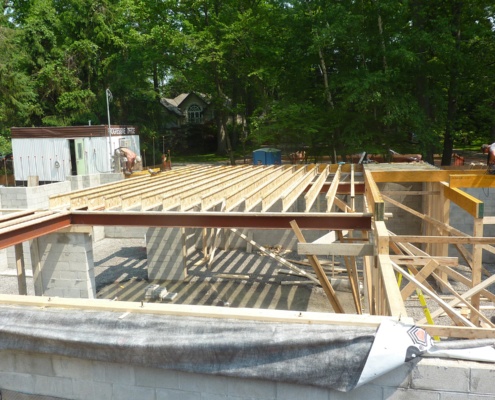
(207, 186)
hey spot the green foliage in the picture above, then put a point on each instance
(336, 77)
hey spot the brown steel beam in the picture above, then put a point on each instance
(327, 221)
(344, 188)
(27, 231)
(35, 228)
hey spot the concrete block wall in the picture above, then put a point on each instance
(66, 266)
(87, 181)
(402, 222)
(124, 232)
(79, 379)
(20, 198)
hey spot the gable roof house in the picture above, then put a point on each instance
(188, 108)
(190, 122)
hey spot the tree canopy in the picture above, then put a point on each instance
(333, 77)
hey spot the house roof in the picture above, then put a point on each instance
(174, 104)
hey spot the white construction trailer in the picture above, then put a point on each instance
(53, 153)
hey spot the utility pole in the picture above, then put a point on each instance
(109, 99)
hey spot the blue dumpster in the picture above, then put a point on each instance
(268, 156)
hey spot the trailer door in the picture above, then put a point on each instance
(81, 162)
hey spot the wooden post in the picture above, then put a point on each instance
(21, 271)
(325, 283)
(477, 267)
(350, 264)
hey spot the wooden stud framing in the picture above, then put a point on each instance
(231, 186)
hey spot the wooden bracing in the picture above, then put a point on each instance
(371, 252)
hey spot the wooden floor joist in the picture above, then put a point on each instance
(188, 196)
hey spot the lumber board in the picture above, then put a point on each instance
(338, 249)
(192, 197)
(351, 266)
(373, 196)
(423, 260)
(473, 309)
(476, 268)
(15, 215)
(21, 270)
(427, 175)
(234, 188)
(276, 257)
(191, 192)
(461, 278)
(442, 239)
(93, 197)
(410, 192)
(322, 277)
(292, 193)
(447, 307)
(275, 194)
(332, 191)
(425, 272)
(63, 200)
(489, 220)
(315, 189)
(459, 332)
(265, 176)
(368, 278)
(257, 195)
(267, 315)
(158, 186)
(393, 298)
(25, 218)
(342, 206)
(382, 237)
(468, 294)
(468, 203)
(472, 181)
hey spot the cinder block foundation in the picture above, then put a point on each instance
(25, 375)
(63, 264)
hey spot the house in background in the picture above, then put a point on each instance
(190, 123)
(188, 109)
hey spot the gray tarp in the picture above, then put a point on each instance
(323, 355)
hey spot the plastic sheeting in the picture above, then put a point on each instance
(322, 355)
(328, 356)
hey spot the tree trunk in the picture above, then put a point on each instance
(448, 142)
(422, 82)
